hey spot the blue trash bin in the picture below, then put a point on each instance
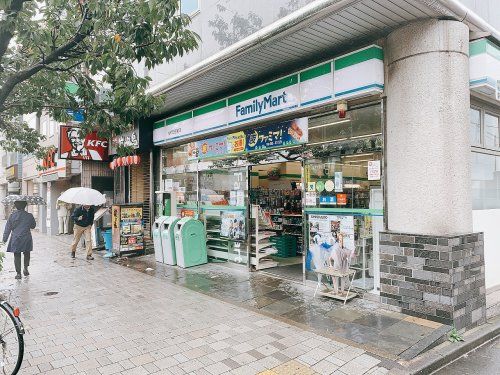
(108, 239)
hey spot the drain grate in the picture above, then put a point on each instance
(50, 293)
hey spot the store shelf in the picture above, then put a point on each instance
(294, 225)
(292, 215)
(263, 245)
(218, 247)
(217, 254)
(212, 230)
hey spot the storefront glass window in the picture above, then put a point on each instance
(359, 122)
(343, 191)
(475, 127)
(490, 131)
(180, 175)
(223, 208)
(485, 181)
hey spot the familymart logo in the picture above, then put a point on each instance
(263, 105)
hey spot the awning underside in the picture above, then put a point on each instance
(319, 31)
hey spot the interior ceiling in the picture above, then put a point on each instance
(361, 23)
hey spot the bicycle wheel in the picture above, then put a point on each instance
(11, 340)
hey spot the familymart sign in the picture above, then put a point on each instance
(359, 73)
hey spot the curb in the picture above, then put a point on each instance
(447, 352)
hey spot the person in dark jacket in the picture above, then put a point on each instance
(84, 218)
(19, 227)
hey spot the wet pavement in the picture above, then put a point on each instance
(99, 318)
(483, 361)
(360, 322)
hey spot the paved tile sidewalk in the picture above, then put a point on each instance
(361, 322)
(100, 318)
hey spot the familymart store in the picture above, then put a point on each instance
(283, 172)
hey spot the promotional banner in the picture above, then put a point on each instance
(287, 133)
(72, 146)
(210, 148)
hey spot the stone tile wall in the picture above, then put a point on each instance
(438, 278)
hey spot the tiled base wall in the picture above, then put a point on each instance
(438, 278)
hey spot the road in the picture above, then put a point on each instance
(100, 318)
(483, 361)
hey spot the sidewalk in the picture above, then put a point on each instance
(361, 323)
(97, 318)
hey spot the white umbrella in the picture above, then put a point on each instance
(83, 196)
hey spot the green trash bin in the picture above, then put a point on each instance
(190, 243)
(168, 240)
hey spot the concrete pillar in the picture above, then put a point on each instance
(431, 265)
(427, 144)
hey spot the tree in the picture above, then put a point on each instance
(93, 46)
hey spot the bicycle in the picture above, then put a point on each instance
(11, 339)
(11, 335)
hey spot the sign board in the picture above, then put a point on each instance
(265, 100)
(127, 139)
(373, 170)
(11, 172)
(77, 115)
(75, 147)
(49, 161)
(282, 134)
(356, 74)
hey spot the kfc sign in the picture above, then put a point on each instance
(49, 161)
(73, 146)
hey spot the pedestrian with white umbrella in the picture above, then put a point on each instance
(83, 216)
(18, 228)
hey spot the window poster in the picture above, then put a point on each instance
(374, 170)
(233, 225)
(331, 240)
(339, 183)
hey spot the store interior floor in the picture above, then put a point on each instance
(288, 268)
(361, 322)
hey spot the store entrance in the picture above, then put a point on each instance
(277, 242)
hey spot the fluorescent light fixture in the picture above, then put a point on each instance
(329, 124)
(357, 155)
(365, 136)
(330, 141)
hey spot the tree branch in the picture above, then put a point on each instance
(6, 36)
(55, 56)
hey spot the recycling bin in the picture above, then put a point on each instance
(157, 238)
(190, 243)
(168, 240)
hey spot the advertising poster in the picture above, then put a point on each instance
(75, 147)
(115, 227)
(131, 213)
(374, 170)
(212, 147)
(233, 225)
(329, 234)
(131, 230)
(236, 143)
(339, 183)
(287, 133)
(311, 198)
(342, 199)
(187, 213)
